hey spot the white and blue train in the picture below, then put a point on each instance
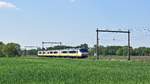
(71, 53)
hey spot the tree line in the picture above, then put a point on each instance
(82, 46)
(14, 49)
(120, 51)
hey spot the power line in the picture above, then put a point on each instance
(43, 43)
(117, 31)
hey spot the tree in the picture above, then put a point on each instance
(30, 52)
(59, 47)
(84, 46)
(111, 50)
(12, 49)
(119, 52)
(139, 51)
(123, 51)
(147, 52)
(2, 45)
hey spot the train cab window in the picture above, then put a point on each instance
(64, 51)
(83, 50)
(72, 51)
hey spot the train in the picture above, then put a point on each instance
(66, 53)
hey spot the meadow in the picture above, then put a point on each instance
(72, 71)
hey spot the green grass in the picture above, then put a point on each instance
(72, 71)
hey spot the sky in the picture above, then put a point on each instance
(73, 22)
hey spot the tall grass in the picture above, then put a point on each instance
(72, 71)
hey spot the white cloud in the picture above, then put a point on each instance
(4, 4)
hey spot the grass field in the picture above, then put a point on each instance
(72, 71)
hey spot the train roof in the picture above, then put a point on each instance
(62, 50)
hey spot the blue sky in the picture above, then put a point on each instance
(29, 22)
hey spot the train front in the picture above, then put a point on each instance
(84, 53)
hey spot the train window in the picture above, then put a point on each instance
(47, 52)
(51, 52)
(40, 52)
(64, 51)
(55, 52)
(43, 52)
(72, 51)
